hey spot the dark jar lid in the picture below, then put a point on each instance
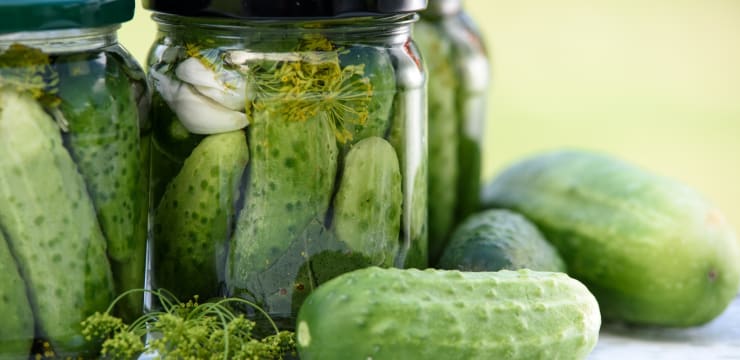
(276, 9)
(37, 15)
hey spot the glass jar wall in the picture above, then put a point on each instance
(456, 60)
(285, 152)
(73, 221)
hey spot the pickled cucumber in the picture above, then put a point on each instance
(367, 207)
(193, 220)
(50, 224)
(378, 71)
(103, 139)
(292, 170)
(443, 135)
(16, 334)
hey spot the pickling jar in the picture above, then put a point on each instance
(73, 220)
(458, 66)
(289, 146)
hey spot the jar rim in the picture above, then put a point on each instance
(284, 10)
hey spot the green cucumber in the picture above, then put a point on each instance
(103, 139)
(292, 169)
(407, 135)
(379, 314)
(193, 220)
(367, 207)
(443, 135)
(653, 251)
(16, 334)
(129, 274)
(378, 70)
(50, 224)
(494, 240)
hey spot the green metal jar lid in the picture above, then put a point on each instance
(35, 15)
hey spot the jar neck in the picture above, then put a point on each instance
(389, 30)
(63, 41)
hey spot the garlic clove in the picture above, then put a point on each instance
(226, 87)
(199, 114)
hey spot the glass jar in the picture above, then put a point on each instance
(289, 147)
(456, 60)
(73, 221)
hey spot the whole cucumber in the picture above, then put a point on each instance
(104, 139)
(50, 224)
(367, 207)
(408, 135)
(379, 314)
(193, 221)
(378, 71)
(499, 239)
(653, 251)
(292, 169)
(16, 334)
(443, 140)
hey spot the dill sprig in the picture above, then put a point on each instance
(313, 84)
(189, 330)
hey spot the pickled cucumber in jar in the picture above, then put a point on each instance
(73, 185)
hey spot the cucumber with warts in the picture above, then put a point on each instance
(50, 224)
(380, 314)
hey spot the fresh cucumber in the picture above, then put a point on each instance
(192, 222)
(367, 207)
(379, 314)
(494, 240)
(50, 224)
(16, 334)
(653, 251)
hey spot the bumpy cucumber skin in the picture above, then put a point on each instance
(50, 224)
(411, 314)
(130, 274)
(367, 207)
(443, 134)
(16, 334)
(193, 220)
(293, 165)
(652, 251)
(104, 139)
(379, 70)
(499, 239)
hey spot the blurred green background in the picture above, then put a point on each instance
(654, 82)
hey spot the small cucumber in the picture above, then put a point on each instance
(193, 220)
(443, 133)
(380, 314)
(367, 207)
(652, 250)
(104, 139)
(50, 224)
(379, 71)
(16, 334)
(499, 239)
(292, 169)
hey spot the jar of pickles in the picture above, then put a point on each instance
(289, 146)
(73, 221)
(458, 68)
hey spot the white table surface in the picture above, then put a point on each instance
(719, 339)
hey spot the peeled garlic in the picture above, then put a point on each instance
(199, 114)
(227, 88)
